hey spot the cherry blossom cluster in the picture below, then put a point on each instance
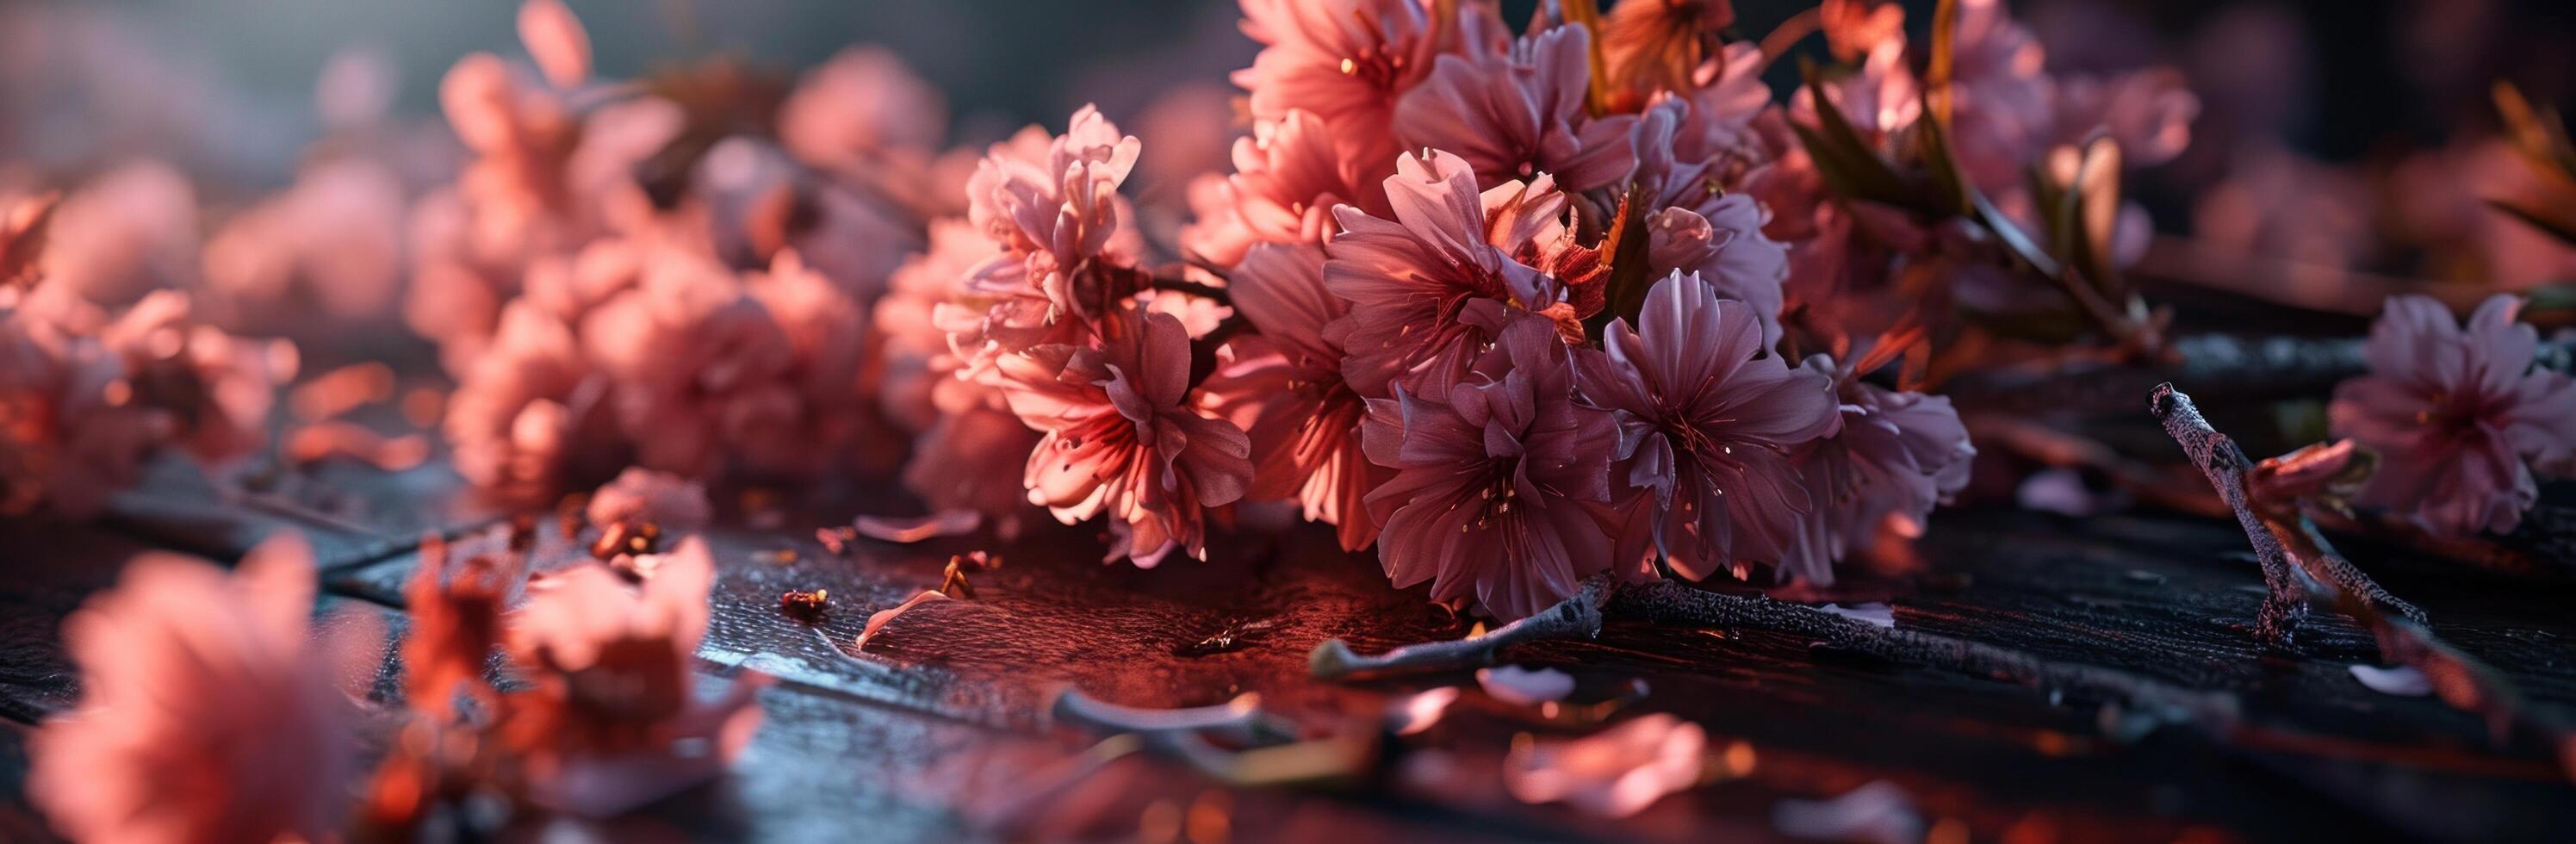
(1515, 309)
(618, 277)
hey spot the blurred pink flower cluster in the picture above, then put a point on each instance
(89, 393)
(619, 277)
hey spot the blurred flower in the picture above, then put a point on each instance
(1496, 476)
(611, 720)
(2457, 415)
(644, 496)
(1897, 455)
(205, 713)
(529, 419)
(1707, 423)
(334, 239)
(125, 233)
(1614, 773)
(1122, 437)
(556, 41)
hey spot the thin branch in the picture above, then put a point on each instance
(1669, 602)
(1575, 617)
(2284, 538)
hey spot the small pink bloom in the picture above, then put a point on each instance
(1496, 477)
(644, 496)
(1707, 424)
(2001, 114)
(1304, 419)
(1614, 773)
(529, 419)
(335, 237)
(862, 106)
(1122, 436)
(972, 459)
(1347, 62)
(1515, 115)
(125, 233)
(1059, 218)
(206, 712)
(612, 720)
(1407, 279)
(2457, 414)
(1724, 245)
(1897, 455)
(2148, 112)
(1286, 183)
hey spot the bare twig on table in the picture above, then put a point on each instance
(1668, 602)
(1575, 617)
(2312, 571)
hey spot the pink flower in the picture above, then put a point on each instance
(1286, 182)
(2457, 414)
(613, 721)
(1707, 424)
(1729, 96)
(1122, 437)
(206, 713)
(1059, 218)
(1345, 61)
(71, 435)
(2148, 112)
(919, 370)
(644, 496)
(529, 419)
(1304, 419)
(221, 385)
(972, 459)
(863, 106)
(694, 360)
(124, 234)
(1897, 455)
(1728, 251)
(1408, 279)
(1518, 114)
(335, 237)
(1496, 476)
(1614, 773)
(2001, 113)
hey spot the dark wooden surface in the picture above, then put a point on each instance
(944, 718)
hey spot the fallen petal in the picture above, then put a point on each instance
(1878, 614)
(1419, 711)
(1519, 686)
(878, 620)
(1613, 773)
(918, 528)
(1879, 812)
(2401, 681)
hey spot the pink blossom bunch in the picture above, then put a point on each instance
(2459, 415)
(1511, 327)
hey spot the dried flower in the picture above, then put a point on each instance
(205, 713)
(1496, 476)
(2457, 414)
(1708, 423)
